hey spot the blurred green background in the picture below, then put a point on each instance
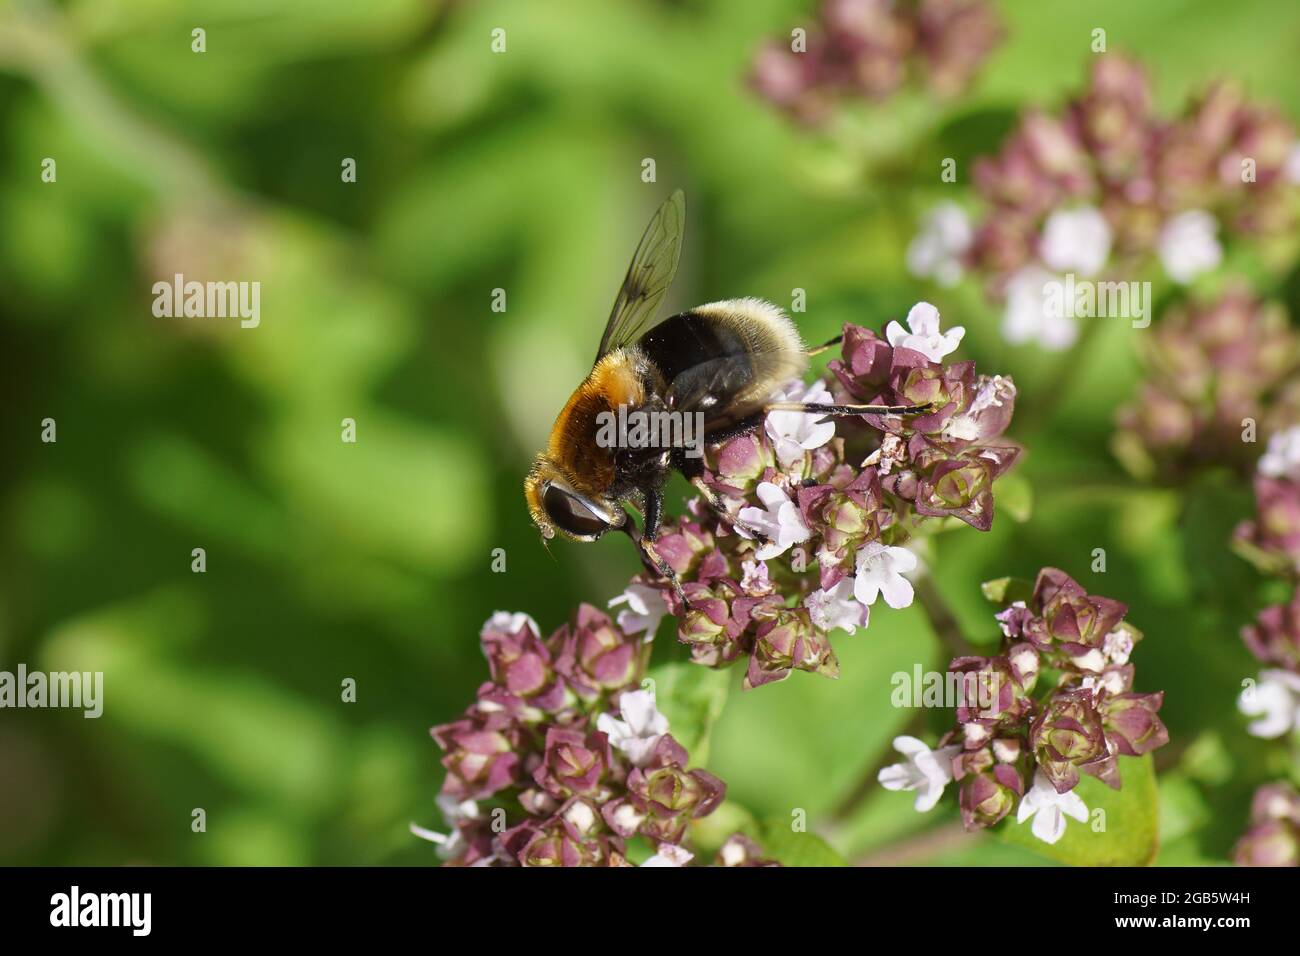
(372, 561)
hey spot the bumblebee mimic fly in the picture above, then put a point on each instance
(718, 367)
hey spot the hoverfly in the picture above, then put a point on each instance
(725, 361)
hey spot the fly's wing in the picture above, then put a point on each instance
(730, 388)
(648, 277)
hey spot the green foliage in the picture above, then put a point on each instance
(372, 560)
(692, 698)
(1123, 829)
(794, 848)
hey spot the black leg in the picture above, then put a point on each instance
(654, 509)
(655, 564)
(813, 408)
(726, 432)
(692, 470)
(819, 349)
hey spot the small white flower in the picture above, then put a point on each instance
(1004, 617)
(925, 771)
(645, 609)
(793, 433)
(454, 811)
(1275, 700)
(669, 854)
(1282, 458)
(924, 337)
(880, 571)
(582, 815)
(993, 393)
(640, 729)
(779, 520)
(509, 623)
(754, 578)
(1076, 240)
(836, 608)
(936, 251)
(1189, 245)
(1049, 809)
(1117, 646)
(1028, 318)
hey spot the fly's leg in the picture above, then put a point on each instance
(654, 564)
(693, 470)
(819, 349)
(830, 411)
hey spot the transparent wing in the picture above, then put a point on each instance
(731, 388)
(648, 277)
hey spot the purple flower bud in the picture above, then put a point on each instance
(554, 842)
(1274, 638)
(1275, 532)
(788, 642)
(866, 363)
(742, 461)
(575, 764)
(1066, 736)
(596, 656)
(684, 546)
(521, 665)
(1274, 835)
(988, 796)
(480, 756)
(958, 488)
(1069, 614)
(1131, 723)
(1272, 843)
(670, 797)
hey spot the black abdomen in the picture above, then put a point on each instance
(724, 359)
(688, 340)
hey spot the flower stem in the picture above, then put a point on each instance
(942, 620)
(920, 847)
(1062, 378)
(867, 781)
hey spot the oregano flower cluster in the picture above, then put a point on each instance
(1058, 701)
(871, 49)
(1221, 380)
(1273, 838)
(818, 511)
(1271, 541)
(563, 759)
(1105, 185)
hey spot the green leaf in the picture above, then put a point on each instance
(793, 848)
(1131, 822)
(691, 697)
(1004, 591)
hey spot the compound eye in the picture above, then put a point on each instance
(570, 514)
